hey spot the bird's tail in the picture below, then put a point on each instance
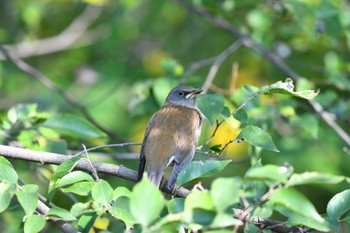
(155, 176)
(142, 163)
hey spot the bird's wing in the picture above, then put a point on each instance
(188, 134)
(159, 145)
(142, 159)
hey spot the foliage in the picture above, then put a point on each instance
(294, 167)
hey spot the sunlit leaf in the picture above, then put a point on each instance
(120, 192)
(64, 168)
(86, 221)
(8, 173)
(121, 210)
(72, 178)
(199, 200)
(57, 212)
(287, 87)
(4, 161)
(268, 172)
(296, 219)
(81, 188)
(314, 178)
(257, 137)
(102, 192)
(34, 224)
(225, 192)
(7, 190)
(146, 202)
(296, 202)
(28, 198)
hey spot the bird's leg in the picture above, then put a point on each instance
(175, 189)
(162, 181)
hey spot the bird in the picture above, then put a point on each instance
(171, 135)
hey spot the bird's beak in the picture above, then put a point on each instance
(193, 93)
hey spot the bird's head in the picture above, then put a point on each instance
(184, 96)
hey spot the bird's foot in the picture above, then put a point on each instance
(175, 189)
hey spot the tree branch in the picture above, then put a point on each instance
(66, 39)
(218, 61)
(84, 165)
(272, 57)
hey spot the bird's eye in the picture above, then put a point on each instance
(181, 93)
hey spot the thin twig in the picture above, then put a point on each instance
(217, 125)
(197, 65)
(32, 72)
(66, 39)
(93, 170)
(219, 60)
(272, 57)
(108, 146)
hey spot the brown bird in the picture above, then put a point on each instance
(171, 136)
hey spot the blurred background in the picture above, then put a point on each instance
(119, 59)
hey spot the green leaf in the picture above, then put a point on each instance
(81, 188)
(102, 192)
(8, 173)
(121, 192)
(64, 168)
(34, 224)
(241, 116)
(223, 220)
(72, 178)
(296, 219)
(225, 192)
(287, 87)
(216, 148)
(80, 208)
(199, 200)
(4, 161)
(86, 222)
(268, 172)
(57, 212)
(308, 122)
(146, 202)
(339, 205)
(211, 106)
(200, 169)
(176, 205)
(22, 112)
(257, 137)
(314, 178)
(254, 189)
(296, 202)
(7, 190)
(28, 198)
(226, 112)
(121, 210)
(203, 217)
(73, 126)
